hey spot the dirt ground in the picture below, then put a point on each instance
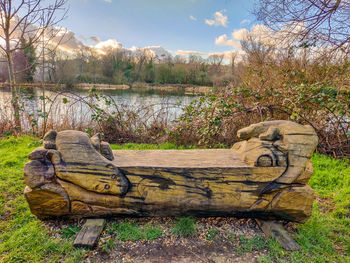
(182, 251)
(225, 247)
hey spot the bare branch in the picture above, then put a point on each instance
(322, 22)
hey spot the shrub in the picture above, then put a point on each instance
(272, 87)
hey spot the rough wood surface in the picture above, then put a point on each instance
(211, 158)
(264, 176)
(277, 231)
(89, 233)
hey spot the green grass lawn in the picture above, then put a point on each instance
(325, 237)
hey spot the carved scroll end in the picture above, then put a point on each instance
(50, 140)
(102, 147)
(39, 170)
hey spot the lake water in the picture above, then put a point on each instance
(74, 106)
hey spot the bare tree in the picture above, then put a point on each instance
(215, 61)
(233, 60)
(26, 19)
(312, 22)
(256, 52)
(141, 58)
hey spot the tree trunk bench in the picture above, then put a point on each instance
(264, 176)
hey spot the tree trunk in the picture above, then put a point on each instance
(14, 92)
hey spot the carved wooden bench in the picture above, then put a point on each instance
(264, 176)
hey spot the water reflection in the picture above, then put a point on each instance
(73, 107)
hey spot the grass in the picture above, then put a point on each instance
(325, 237)
(185, 227)
(109, 246)
(331, 180)
(253, 244)
(129, 231)
(23, 238)
(70, 231)
(212, 234)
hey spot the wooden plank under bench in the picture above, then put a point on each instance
(90, 233)
(277, 231)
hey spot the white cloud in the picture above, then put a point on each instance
(259, 32)
(68, 42)
(224, 41)
(240, 34)
(219, 19)
(189, 52)
(193, 18)
(151, 51)
(105, 46)
(108, 1)
(263, 35)
(227, 54)
(245, 22)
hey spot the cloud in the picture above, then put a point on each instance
(240, 34)
(224, 41)
(245, 22)
(61, 38)
(108, 1)
(219, 19)
(190, 52)
(227, 54)
(193, 18)
(258, 32)
(264, 35)
(105, 46)
(151, 51)
(67, 40)
(261, 34)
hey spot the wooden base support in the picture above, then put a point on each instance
(89, 234)
(277, 231)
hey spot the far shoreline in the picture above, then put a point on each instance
(137, 86)
(190, 89)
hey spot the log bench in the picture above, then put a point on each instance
(264, 176)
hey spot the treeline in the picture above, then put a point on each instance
(123, 67)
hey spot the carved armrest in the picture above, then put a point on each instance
(279, 143)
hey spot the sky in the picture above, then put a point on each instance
(177, 25)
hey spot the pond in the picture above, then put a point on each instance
(74, 107)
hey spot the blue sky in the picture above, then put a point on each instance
(166, 23)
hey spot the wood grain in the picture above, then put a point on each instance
(263, 176)
(277, 231)
(209, 158)
(89, 233)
